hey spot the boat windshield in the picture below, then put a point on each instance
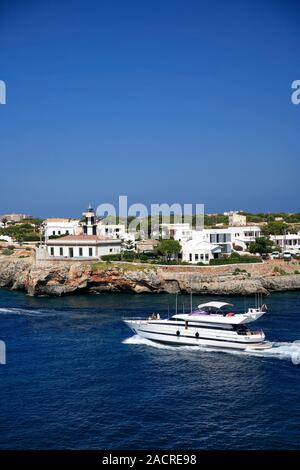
(212, 311)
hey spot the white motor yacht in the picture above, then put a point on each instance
(209, 325)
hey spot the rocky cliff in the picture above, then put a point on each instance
(67, 277)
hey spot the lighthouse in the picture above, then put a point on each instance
(89, 224)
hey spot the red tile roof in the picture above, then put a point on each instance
(81, 238)
(148, 242)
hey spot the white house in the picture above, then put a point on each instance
(215, 236)
(288, 242)
(82, 246)
(59, 226)
(6, 238)
(242, 236)
(179, 231)
(198, 251)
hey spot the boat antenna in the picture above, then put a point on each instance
(191, 299)
(176, 302)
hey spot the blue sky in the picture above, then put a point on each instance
(164, 101)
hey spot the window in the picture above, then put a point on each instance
(52, 251)
(206, 257)
(53, 232)
(71, 252)
(80, 251)
(196, 257)
(61, 251)
(202, 256)
(110, 250)
(59, 232)
(191, 257)
(90, 251)
(67, 232)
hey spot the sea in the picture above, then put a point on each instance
(73, 376)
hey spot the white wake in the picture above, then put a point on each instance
(23, 311)
(279, 350)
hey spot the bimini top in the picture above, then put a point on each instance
(214, 305)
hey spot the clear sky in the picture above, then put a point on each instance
(164, 101)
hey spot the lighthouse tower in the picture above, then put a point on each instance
(89, 224)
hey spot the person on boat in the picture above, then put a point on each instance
(153, 316)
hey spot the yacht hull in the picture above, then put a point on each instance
(197, 337)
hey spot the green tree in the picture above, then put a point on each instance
(169, 248)
(274, 228)
(261, 245)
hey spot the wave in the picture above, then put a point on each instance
(24, 311)
(279, 350)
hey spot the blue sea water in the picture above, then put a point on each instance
(77, 378)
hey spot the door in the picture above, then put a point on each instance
(71, 254)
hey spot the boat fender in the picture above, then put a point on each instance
(178, 332)
(197, 334)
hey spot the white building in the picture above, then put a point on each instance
(241, 237)
(198, 251)
(6, 238)
(59, 226)
(214, 236)
(111, 230)
(87, 245)
(288, 242)
(236, 220)
(178, 231)
(15, 217)
(82, 247)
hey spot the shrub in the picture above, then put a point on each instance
(128, 255)
(116, 257)
(278, 270)
(7, 252)
(32, 237)
(235, 258)
(238, 271)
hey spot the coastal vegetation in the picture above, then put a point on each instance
(170, 249)
(261, 245)
(235, 258)
(22, 232)
(107, 265)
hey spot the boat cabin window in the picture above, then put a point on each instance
(242, 329)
